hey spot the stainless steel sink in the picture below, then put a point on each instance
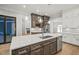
(46, 37)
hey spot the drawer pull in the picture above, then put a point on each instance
(22, 52)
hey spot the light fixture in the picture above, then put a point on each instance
(48, 22)
(37, 10)
(40, 20)
(24, 6)
(26, 18)
(45, 13)
(38, 17)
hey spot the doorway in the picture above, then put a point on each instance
(7, 28)
(57, 27)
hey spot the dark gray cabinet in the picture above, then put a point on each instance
(46, 50)
(21, 51)
(53, 48)
(35, 46)
(37, 51)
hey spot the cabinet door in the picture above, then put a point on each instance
(21, 51)
(37, 52)
(53, 47)
(46, 50)
(35, 46)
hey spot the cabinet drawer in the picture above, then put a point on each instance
(37, 52)
(21, 51)
(35, 46)
(53, 40)
(48, 41)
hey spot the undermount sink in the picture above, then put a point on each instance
(46, 37)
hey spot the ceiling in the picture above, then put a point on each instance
(43, 9)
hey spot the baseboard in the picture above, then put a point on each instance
(70, 43)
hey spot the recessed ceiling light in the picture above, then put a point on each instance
(46, 14)
(26, 18)
(37, 10)
(40, 20)
(24, 6)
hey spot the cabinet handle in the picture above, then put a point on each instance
(21, 52)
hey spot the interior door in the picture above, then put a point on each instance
(10, 28)
(1, 29)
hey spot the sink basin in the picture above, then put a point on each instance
(46, 37)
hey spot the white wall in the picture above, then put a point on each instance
(71, 18)
(26, 23)
(71, 21)
(51, 25)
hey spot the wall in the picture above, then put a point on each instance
(26, 23)
(71, 18)
(51, 25)
(71, 21)
(70, 24)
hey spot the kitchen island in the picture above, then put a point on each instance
(36, 45)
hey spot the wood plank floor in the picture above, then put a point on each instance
(4, 49)
(67, 49)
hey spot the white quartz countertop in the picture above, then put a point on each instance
(21, 41)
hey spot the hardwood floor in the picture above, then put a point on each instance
(67, 49)
(4, 49)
